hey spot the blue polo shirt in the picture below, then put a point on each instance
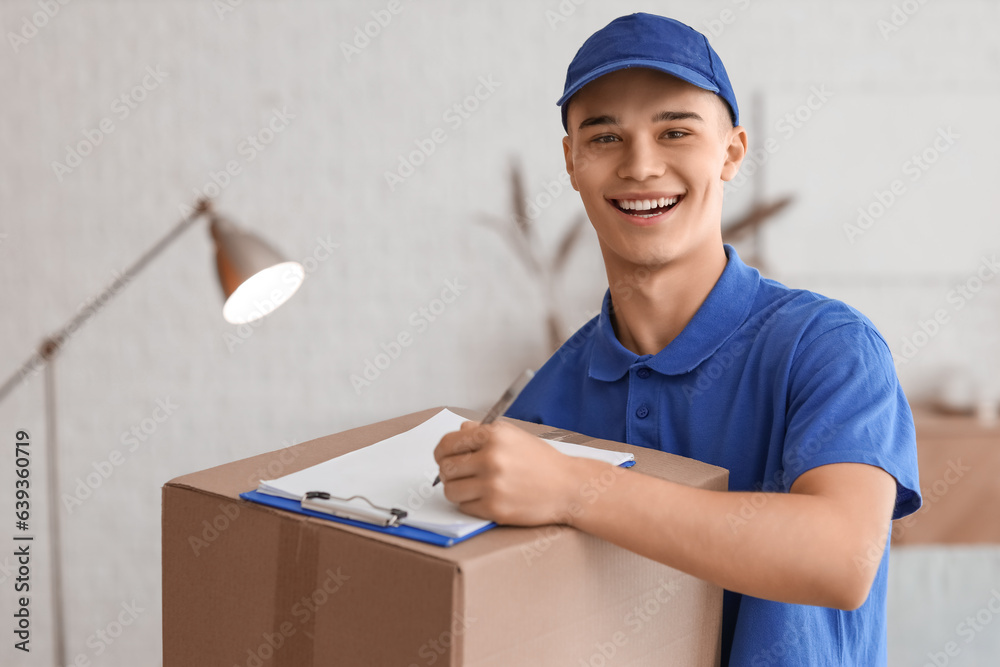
(767, 382)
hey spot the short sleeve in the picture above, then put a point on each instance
(845, 405)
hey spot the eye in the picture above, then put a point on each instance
(675, 134)
(604, 139)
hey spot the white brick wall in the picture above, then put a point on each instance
(323, 177)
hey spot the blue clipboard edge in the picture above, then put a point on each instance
(409, 532)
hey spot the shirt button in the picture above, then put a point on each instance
(643, 373)
(642, 412)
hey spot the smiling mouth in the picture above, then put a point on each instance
(646, 208)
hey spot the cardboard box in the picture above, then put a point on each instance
(247, 585)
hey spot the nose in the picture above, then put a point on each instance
(641, 160)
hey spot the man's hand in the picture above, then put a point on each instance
(820, 544)
(503, 473)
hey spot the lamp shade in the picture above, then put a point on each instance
(255, 278)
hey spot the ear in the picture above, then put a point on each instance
(570, 167)
(736, 150)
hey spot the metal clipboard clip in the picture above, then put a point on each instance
(321, 501)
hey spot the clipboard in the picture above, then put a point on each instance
(400, 530)
(386, 486)
(346, 508)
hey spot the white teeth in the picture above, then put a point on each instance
(646, 204)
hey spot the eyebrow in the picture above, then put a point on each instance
(660, 117)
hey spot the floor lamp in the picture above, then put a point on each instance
(255, 280)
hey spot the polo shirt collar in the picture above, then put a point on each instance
(723, 311)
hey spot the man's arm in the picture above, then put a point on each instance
(820, 544)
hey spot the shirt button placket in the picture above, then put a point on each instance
(642, 420)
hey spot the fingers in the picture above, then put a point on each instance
(458, 466)
(470, 438)
(447, 445)
(461, 491)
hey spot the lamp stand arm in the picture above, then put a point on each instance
(52, 343)
(55, 531)
(45, 356)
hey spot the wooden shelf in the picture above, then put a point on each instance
(959, 460)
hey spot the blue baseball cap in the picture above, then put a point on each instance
(654, 42)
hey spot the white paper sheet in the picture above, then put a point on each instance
(398, 472)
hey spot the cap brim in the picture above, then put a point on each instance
(679, 71)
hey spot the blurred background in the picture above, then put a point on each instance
(408, 154)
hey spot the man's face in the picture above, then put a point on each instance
(649, 154)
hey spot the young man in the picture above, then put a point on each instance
(694, 353)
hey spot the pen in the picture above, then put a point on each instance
(505, 401)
